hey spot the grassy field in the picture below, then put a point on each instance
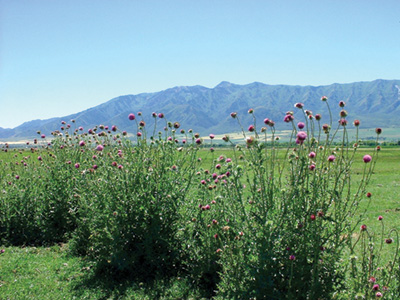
(52, 273)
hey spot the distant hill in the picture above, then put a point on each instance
(207, 110)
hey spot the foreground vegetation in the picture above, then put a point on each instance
(165, 218)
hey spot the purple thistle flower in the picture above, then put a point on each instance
(288, 118)
(292, 257)
(331, 158)
(324, 98)
(161, 115)
(266, 121)
(299, 105)
(234, 115)
(77, 165)
(378, 130)
(81, 143)
(301, 135)
(131, 117)
(318, 117)
(212, 136)
(114, 128)
(251, 128)
(367, 158)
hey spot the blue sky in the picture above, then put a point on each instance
(61, 57)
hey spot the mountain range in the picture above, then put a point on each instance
(207, 110)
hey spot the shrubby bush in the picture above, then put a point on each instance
(257, 224)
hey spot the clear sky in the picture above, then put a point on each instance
(59, 57)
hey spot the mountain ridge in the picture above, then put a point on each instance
(207, 110)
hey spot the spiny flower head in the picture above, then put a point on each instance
(299, 105)
(367, 158)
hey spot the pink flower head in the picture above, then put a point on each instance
(375, 287)
(42, 136)
(369, 195)
(39, 158)
(154, 115)
(343, 122)
(356, 123)
(288, 118)
(342, 104)
(331, 158)
(266, 121)
(363, 227)
(142, 123)
(299, 105)
(212, 136)
(378, 130)
(372, 279)
(301, 135)
(312, 217)
(292, 257)
(312, 167)
(343, 113)
(378, 295)
(250, 111)
(161, 115)
(380, 218)
(249, 140)
(139, 134)
(99, 148)
(198, 141)
(81, 143)
(367, 158)
(318, 117)
(326, 128)
(131, 117)
(324, 98)
(114, 128)
(251, 128)
(77, 165)
(218, 166)
(300, 125)
(311, 154)
(234, 115)
(388, 241)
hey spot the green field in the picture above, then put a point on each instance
(53, 273)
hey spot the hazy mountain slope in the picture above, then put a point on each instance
(206, 110)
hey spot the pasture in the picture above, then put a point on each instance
(172, 216)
